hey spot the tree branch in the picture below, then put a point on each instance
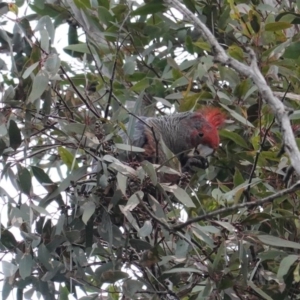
(291, 96)
(253, 72)
(270, 198)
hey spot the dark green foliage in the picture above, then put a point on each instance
(118, 231)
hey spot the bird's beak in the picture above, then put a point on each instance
(204, 150)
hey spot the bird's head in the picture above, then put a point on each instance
(204, 135)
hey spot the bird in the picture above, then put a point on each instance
(181, 141)
(189, 136)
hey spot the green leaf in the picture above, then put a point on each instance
(256, 218)
(203, 45)
(105, 16)
(105, 3)
(286, 264)
(120, 167)
(74, 176)
(88, 210)
(163, 101)
(8, 240)
(236, 138)
(201, 235)
(242, 88)
(40, 210)
(277, 26)
(184, 270)
(130, 218)
(122, 182)
(130, 287)
(75, 128)
(189, 102)
(20, 3)
(60, 224)
(130, 148)
(183, 81)
(141, 85)
(139, 245)
(129, 67)
(45, 40)
(45, 24)
(3, 8)
(25, 265)
(156, 208)
(3, 132)
(292, 51)
(68, 158)
(262, 294)
(271, 255)
(293, 18)
(45, 257)
(82, 4)
(52, 64)
(229, 75)
(277, 242)
(182, 196)
(149, 8)
(238, 178)
(236, 52)
(103, 268)
(296, 273)
(150, 171)
(81, 48)
(255, 22)
(8, 268)
(134, 200)
(226, 225)
(9, 94)
(40, 175)
(3, 65)
(295, 115)
(63, 293)
(14, 133)
(237, 116)
(190, 4)
(30, 69)
(6, 288)
(146, 229)
(24, 179)
(40, 83)
(189, 44)
(73, 235)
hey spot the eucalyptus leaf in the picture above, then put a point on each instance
(39, 85)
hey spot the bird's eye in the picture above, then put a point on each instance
(200, 134)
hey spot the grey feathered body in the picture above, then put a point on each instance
(171, 130)
(169, 127)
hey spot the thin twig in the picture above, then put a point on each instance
(159, 221)
(79, 94)
(96, 64)
(111, 81)
(260, 150)
(64, 102)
